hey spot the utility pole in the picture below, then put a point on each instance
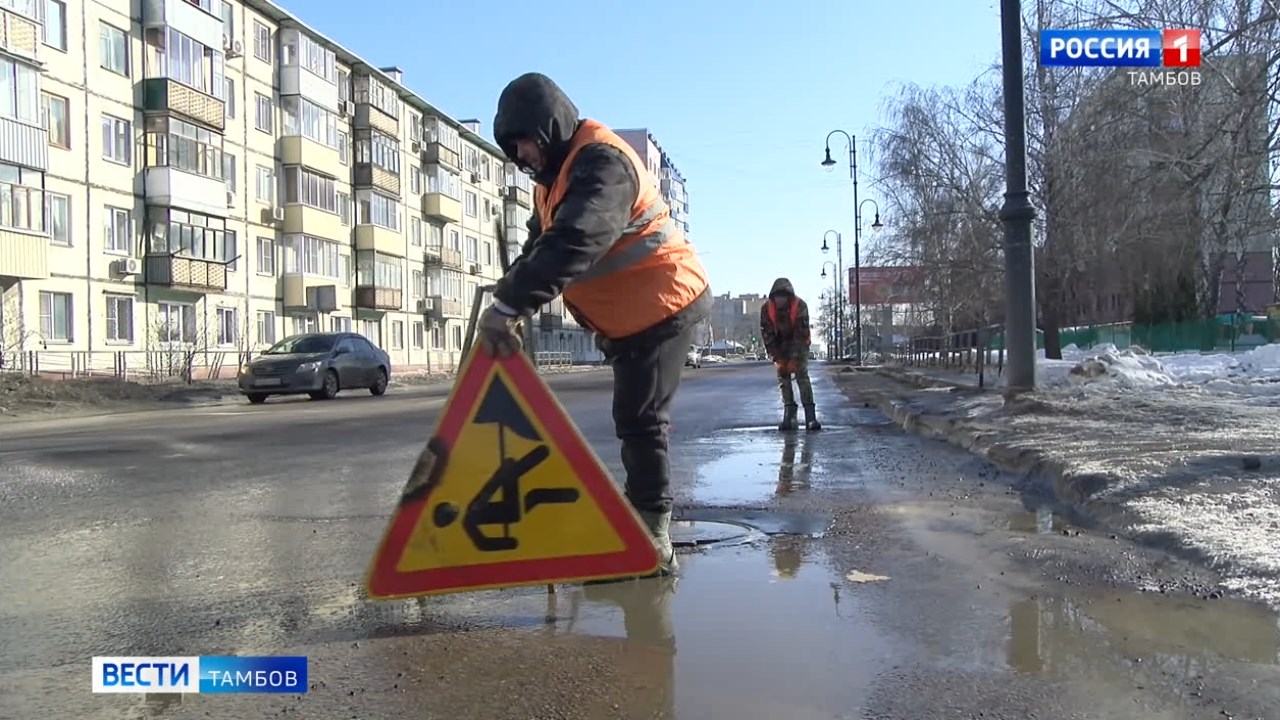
(1017, 212)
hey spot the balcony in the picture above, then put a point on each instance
(437, 154)
(165, 95)
(451, 258)
(296, 80)
(441, 208)
(519, 196)
(309, 293)
(368, 115)
(170, 187)
(298, 150)
(23, 255)
(186, 18)
(448, 308)
(182, 273)
(19, 35)
(369, 297)
(370, 175)
(379, 239)
(23, 144)
(550, 320)
(307, 220)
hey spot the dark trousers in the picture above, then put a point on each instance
(645, 378)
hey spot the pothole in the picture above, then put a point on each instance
(700, 533)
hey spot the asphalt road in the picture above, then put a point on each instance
(889, 577)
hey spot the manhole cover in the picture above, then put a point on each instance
(690, 533)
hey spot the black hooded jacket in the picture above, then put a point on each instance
(602, 189)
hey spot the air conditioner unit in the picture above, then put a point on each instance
(415, 147)
(425, 305)
(475, 178)
(475, 268)
(126, 266)
(277, 214)
(234, 48)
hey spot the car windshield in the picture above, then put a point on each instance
(302, 344)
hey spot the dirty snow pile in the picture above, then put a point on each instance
(1256, 372)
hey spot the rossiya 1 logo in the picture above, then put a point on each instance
(1159, 57)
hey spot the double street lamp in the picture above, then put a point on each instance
(829, 164)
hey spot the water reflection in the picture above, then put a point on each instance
(793, 475)
(648, 659)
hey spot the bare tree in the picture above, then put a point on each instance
(179, 343)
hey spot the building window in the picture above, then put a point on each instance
(437, 338)
(265, 184)
(397, 334)
(56, 120)
(228, 16)
(266, 327)
(170, 142)
(299, 50)
(457, 337)
(231, 252)
(188, 234)
(22, 205)
(372, 331)
(229, 98)
(19, 92)
(419, 336)
(170, 54)
(371, 91)
(344, 209)
(262, 42)
(473, 249)
(262, 118)
(119, 319)
(310, 256)
(229, 163)
(378, 209)
(488, 252)
(304, 324)
(455, 240)
(381, 150)
(415, 231)
(309, 188)
(118, 231)
(472, 210)
(227, 330)
(415, 180)
(55, 24)
(415, 284)
(113, 47)
(266, 256)
(55, 317)
(375, 269)
(176, 323)
(59, 219)
(344, 148)
(117, 140)
(305, 118)
(339, 324)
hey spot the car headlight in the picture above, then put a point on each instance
(309, 366)
(244, 369)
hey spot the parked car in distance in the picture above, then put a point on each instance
(318, 364)
(694, 358)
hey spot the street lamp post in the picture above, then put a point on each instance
(835, 289)
(1017, 213)
(839, 283)
(830, 164)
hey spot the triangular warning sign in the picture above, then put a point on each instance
(507, 493)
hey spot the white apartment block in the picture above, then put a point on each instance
(216, 175)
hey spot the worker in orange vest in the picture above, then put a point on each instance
(602, 237)
(784, 328)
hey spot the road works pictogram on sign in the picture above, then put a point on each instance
(507, 493)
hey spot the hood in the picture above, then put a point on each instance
(287, 358)
(781, 286)
(533, 107)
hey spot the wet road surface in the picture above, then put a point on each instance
(863, 574)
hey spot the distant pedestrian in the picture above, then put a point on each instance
(784, 327)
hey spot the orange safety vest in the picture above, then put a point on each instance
(649, 274)
(794, 308)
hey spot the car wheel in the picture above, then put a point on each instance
(329, 389)
(257, 398)
(379, 385)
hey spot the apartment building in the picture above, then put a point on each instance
(217, 175)
(670, 182)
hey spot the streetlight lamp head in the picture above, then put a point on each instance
(877, 226)
(824, 245)
(827, 163)
(824, 272)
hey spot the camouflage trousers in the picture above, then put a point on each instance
(800, 369)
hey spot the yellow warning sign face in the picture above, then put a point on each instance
(515, 496)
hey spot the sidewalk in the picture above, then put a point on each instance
(1186, 469)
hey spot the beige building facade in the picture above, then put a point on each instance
(209, 177)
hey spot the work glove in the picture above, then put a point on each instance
(499, 332)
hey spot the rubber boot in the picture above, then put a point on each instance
(659, 526)
(788, 418)
(811, 418)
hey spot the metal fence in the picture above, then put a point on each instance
(553, 359)
(135, 365)
(1226, 333)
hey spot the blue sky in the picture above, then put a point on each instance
(740, 94)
